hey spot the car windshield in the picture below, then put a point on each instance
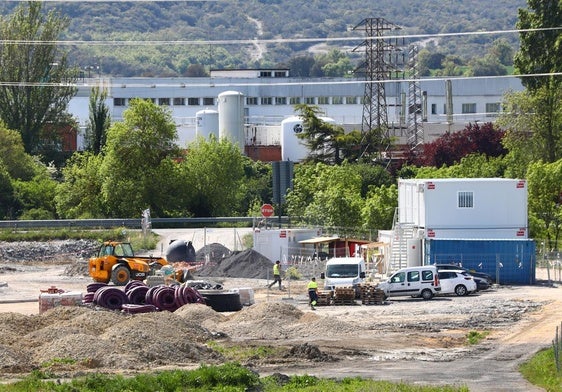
(342, 270)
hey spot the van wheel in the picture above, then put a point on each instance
(120, 275)
(426, 294)
(461, 290)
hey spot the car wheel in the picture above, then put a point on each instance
(461, 290)
(120, 275)
(427, 294)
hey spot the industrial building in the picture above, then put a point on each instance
(255, 108)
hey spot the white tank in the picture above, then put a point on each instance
(207, 123)
(231, 117)
(293, 148)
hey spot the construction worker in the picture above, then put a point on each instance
(313, 293)
(276, 274)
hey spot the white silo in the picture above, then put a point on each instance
(293, 148)
(231, 117)
(207, 123)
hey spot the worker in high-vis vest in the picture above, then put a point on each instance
(276, 274)
(313, 293)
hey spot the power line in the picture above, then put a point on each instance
(179, 83)
(265, 41)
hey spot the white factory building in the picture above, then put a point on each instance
(255, 107)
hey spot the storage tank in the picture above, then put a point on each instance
(207, 123)
(293, 148)
(231, 117)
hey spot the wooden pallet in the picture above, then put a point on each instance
(324, 298)
(371, 295)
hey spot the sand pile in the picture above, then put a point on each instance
(245, 264)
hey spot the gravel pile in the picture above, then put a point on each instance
(53, 252)
(245, 264)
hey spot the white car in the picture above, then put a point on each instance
(457, 282)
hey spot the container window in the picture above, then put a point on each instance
(466, 200)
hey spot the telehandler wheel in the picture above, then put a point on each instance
(120, 275)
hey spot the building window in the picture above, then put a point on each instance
(433, 108)
(252, 101)
(466, 200)
(208, 101)
(164, 101)
(265, 74)
(280, 74)
(350, 100)
(492, 109)
(266, 101)
(179, 101)
(337, 100)
(280, 100)
(119, 101)
(193, 101)
(295, 100)
(468, 108)
(323, 100)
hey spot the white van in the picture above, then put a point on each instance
(420, 281)
(344, 272)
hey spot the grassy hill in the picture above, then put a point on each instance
(195, 23)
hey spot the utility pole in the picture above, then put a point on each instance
(378, 68)
(415, 109)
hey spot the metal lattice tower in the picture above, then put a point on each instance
(415, 128)
(378, 68)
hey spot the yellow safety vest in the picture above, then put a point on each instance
(312, 285)
(276, 269)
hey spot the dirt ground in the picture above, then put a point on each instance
(410, 340)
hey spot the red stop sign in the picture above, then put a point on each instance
(267, 210)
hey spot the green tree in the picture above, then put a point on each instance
(99, 121)
(36, 196)
(78, 196)
(540, 51)
(328, 196)
(255, 186)
(38, 82)
(502, 51)
(545, 193)
(327, 142)
(138, 170)
(8, 202)
(534, 123)
(214, 172)
(380, 204)
(17, 162)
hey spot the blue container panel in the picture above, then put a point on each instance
(508, 261)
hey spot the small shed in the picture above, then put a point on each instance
(334, 246)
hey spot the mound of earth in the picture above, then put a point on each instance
(244, 264)
(212, 253)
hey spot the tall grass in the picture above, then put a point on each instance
(229, 377)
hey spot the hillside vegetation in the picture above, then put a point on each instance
(195, 23)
